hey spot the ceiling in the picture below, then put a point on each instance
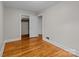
(35, 6)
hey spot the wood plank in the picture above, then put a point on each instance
(34, 47)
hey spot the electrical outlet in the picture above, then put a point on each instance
(47, 38)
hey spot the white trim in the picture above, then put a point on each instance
(73, 51)
(10, 40)
(3, 45)
(2, 49)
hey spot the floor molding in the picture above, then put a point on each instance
(3, 44)
(2, 49)
(10, 40)
(73, 51)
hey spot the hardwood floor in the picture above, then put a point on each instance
(33, 47)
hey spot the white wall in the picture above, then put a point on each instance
(24, 28)
(1, 25)
(13, 23)
(61, 23)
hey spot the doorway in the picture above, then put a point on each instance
(40, 25)
(24, 27)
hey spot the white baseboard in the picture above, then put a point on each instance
(2, 49)
(3, 45)
(10, 40)
(73, 51)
